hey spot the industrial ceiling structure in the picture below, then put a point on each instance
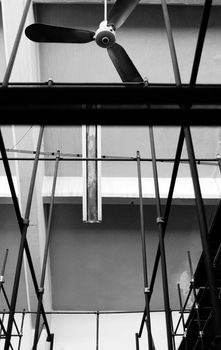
(121, 174)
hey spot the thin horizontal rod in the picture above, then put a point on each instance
(88, 84)
(202, 161)
(78, 156)
(104, 312)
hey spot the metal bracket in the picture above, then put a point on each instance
(2, 280)
(26, 222)
(146, 290)
(201, 334)
(196, 306)
(160, 220)
(41, 290)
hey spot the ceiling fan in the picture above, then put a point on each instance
(105, 37)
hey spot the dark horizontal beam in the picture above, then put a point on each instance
(71, 104)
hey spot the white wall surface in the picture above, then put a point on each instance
(116, 331)
(2, 49)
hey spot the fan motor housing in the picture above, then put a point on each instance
(105, 36)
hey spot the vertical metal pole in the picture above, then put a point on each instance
(160, 224)
(2, 322)
(16, 45)
(182, 317)
(196, 305)
(166, 215)
(4, 263)
(137, 341)
(20, 222)
(204, 235)
(22, 242)
(51, 341)
(21, 329)
(44, 264)
(143, 243)
(218, 157)
(2, 279)
(97, 330)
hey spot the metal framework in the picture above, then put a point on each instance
(154, 104)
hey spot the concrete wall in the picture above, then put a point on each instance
(99, 266)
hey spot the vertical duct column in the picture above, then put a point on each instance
(91, 174)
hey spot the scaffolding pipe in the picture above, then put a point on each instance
(143, 246)
(51, 340)
(171, 43)
(160, 223)
(204, 235)
(196, 304)
(9, 307)
(22, 243)
(2, 279)
(5, 332)
(137, 341)
(210, 162)
(218, 158)
(46, 250)
(166, 214)
(97, 330)
(2, 319)
(4, 263)
(21, 329)
(184, 306)
(10, 181)
(20, 221)
(182, 317)
(200, 41)
(16, 45)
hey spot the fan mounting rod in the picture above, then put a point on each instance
(105, 10)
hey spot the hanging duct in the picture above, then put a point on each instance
(91, 174)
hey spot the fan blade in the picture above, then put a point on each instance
(123, 64)
(120, 11)
(51, 34)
